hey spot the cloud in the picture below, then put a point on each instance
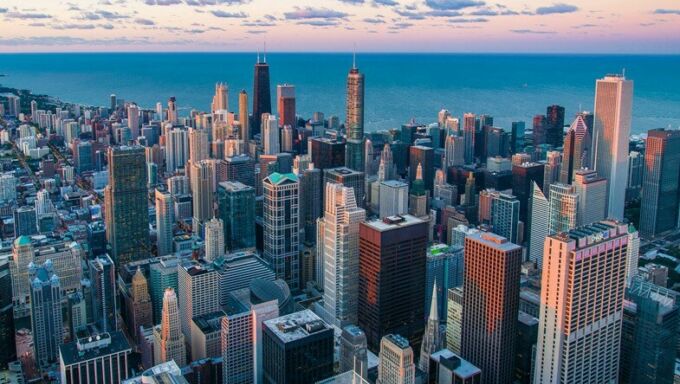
(532, 31)
(258, 23)
(104, 14)
(666, 11)
(65, 40)
(37, 25)
(373, 20)
(107, 26)
(400, 26)
(556, 8)
(142, 21)
(353, 2)
(387, 3)
(162, 2)
(75, 26)
(199, 3)
(586, 26)
(647, 24)
(452, 4)
(443, 13)
(474, 20)
(256, 31)
(319, 23)
(229, 15)
(314, 13)
(26, 15)
(410, 14)
(3, 10)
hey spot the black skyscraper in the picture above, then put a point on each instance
(554, 133)
(262, 98)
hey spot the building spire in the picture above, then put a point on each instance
(434, 311)
(264, 60)
(354, 57)
(258, 56)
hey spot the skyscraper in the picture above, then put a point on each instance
(577, 152)
(393, 198)
(349, 178)
(141, 311)
(243, 117)
(198, 145)
(454, 319)
(661, 182)
(126, 206)
(22, 256)
(491, 304)
(237, 344)
(582, 288)
(554, 133)
(25, 222)
(176, 149)
(220, 100)
(650, 326)
(104, 293)
(353, 350)
(505, 216)
(592, 196)
(285, 104)
(455, 151)
(46, 318)
(7, 337)
(354, 123)
(236, 209)
(419, 154)
(165, 219)
(162, 275)
(262, 98)
(270, 134)
(214, 239)
(202, 179)
(551, 170)
(613, 108)
(397, 361)
(198, 292)
(281, 215)
(133, 120)
(169, 340)
(469, 122)
(338, 248)
(523, 177)
(563, 208)
(392, 253)
(172, 110)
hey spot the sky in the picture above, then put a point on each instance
(526, 26)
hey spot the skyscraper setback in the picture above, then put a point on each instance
(613, 109)
(354, 123)
(262, 98)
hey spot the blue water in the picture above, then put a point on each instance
(398, 86)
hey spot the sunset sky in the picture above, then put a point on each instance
(580, 26)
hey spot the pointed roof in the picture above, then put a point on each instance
(579, 126)
(434, 311)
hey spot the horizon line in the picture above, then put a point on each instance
(466, 53)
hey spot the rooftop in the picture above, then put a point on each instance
(278, 178)
(210, 322)
(397, 340)
(87, 348)
(296, 326)
(461, 367)
(493, 240)
(393, 222)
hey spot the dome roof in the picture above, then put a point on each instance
(22, 240)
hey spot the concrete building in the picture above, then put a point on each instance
(168, 337)
(397, 362)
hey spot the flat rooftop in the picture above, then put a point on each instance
(493, 240)
(393, 222)
(296, 326)
(464, 370)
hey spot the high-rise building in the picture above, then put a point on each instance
(517, 137)
(100, 358)
(172, 110)
(523, 177)
(7, 337)
(635, 172)
(214, 239)
(491, 304)
(551, 170)
(393, 198)
(444, 266)
(285, 103)
(168, 338)
(539, 216)
(262, 98)
(432, 340)
(133, 120)
(236, 209)
(46, 318)
(140, 307)
(176, 149)
(417, 203)
(613, 108)
(126, 204)
(424, 156)
(392, 253)
(577, 152)
(165, 219)
(22, 256)
(270, 134)
(582, 289)
(237, 345)
(454, 319)
(25, 222)
(243, 117)
(354, 122)
(104, 293)
(505, 216)
(454, 151)
(199, 287)
(349, 178)
(447, 367)
(397, 361)
(220, 100)
(202, 187)
(563, 208)
(198, 145)
(326, 152)
(554, 132)
(338, 249)
(162, 275)
(661, 182)
(311, 192)
(353, 351)
(650, 326)
(469, 132)
(300, 339)
(592, 196)
(281, 216)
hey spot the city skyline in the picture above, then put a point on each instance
(338, 25)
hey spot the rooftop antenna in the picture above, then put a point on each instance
(265, 52)
(624, 73)
(258, 55)
(354, 57)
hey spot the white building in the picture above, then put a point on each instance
(168, 337)
(393, 198)
(397, 364)
(592, 196)
(214, 239)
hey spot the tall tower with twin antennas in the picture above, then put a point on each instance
(262, 99)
